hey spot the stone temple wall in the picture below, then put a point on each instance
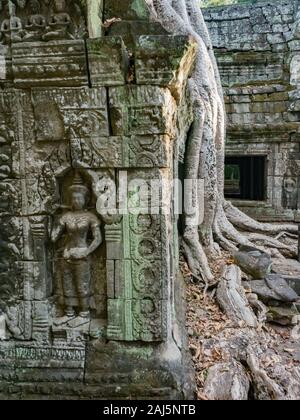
(258, 52)
(91, 296)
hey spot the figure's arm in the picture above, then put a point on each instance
(9, 246)
(58, 230)
(97, 237)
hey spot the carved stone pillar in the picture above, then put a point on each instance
(87, 298)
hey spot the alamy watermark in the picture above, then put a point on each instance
(152, 196)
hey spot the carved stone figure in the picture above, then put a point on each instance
(37, 20)
(58, 23)
(13, 322)
(77, 316)
(290, 191)
(77, 225)
(12, 28)
(36, 23)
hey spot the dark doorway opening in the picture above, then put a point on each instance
(245, 177)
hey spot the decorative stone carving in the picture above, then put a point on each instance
(290, 191)
(77, 224)
(52, 63)
(59, 22)
(36, 20)
(11, 28)
(85, 289)
(36, 23)
(103, 55)
(140, 110)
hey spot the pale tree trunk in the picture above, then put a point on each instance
(225, 226)
(206, 148)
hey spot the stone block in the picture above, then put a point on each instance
(143, 280)
(279, 285)
(7, 360)
(131, 30)
(141, 110)
(294, 107)
(74, 113)
(38, 279)
(29, 375)
(283, 315)
(97, 152)
(294, 283)
(253, 261)
(149, 151)
(121, 152)
(280, 48)
(98, 328)
(148, 280)
(108, 61)
(275, 38)
(116, 321)
(71, 115)
(262, 28)
(145, 323)
(294, 45)
(59, 63)
(164, 60)
(269, 107)
(41, 319)
(30, 355)
(11, 238)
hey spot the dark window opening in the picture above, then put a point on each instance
(245, 177)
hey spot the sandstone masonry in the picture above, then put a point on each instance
(258, 52)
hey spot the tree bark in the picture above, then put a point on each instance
(224, 225)
(227, 382)
(232, 298)
(205, 146)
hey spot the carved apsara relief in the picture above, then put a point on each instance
(64, 141)
(77, 224)
(290, 190)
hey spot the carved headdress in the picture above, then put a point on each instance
(78, 185)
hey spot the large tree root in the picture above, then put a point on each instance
(232, 298)
(206, 148)
(246, 223)
(227, 381)
(253, 354)
(223, 223)
(289, 251)
(247, 351)
(196, 257)
(266, 387)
